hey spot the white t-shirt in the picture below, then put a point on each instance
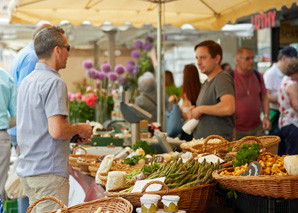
(272, 79)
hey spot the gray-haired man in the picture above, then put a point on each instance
(43, 129)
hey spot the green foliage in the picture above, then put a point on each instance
(133, 160)
(79, 111)
(144, 146)
(247, 154)
(173, 90)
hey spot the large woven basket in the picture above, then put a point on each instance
(276, 186)
(270, 142)
(93, 169)
(108, 204)
(83, 161)
(192, 199)
(210, 148)
(73, 157)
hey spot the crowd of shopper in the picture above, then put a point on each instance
(229, 103)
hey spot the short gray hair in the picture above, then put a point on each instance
(146, 82)
(46, 40)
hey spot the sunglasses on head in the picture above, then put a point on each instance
(67, 47)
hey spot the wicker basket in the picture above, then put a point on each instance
(192, 199)
(82, 162)
(103, 178)
(73, 158)
(276, 186)
(210, 148)
(93, 169)
(107, 204)
(246, 140)
(270, 143)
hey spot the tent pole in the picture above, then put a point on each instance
(159, 76)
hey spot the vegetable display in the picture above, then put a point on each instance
(144, 146)
(133, 160)
(179, 175)
(247, 154)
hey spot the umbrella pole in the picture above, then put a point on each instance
(159, 73)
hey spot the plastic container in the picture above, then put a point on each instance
(149, 203)
(170, 203)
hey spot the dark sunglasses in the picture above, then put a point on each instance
(67, 47)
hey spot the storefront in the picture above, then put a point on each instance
(272, 31)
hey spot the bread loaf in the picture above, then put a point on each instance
(291, 164)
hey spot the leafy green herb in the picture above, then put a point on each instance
(247, 154)
(133, 160)
(144, 146)
(230, 149)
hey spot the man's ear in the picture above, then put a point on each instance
(217, 59)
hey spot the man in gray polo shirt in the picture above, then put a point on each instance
(43, 129)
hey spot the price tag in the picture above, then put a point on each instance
(254, 169)
(158, 159)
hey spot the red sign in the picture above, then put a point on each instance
(263, 20)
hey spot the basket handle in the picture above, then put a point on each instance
(213, 137)
(78, 147)
(47, 198)
(156, 182)
(266, 153)
(245, 139)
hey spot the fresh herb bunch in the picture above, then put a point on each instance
(247, 154)
(143, 144)
(133, 160)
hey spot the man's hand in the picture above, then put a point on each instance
(85, 130)
(197, 113)
(189, 112)
(266, 123)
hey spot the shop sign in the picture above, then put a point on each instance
(264, 20)
(254, 169)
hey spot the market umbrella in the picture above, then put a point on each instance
(202, 14)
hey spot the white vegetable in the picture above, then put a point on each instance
(291, 164)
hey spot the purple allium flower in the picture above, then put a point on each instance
(87, 64)
(106, 67)
(129, 68)
(93, 73)
(101, 76)
(149, 39)
(131, 62)
(112, 76)
(148, 46)
(135, 53)
(122, 80)
(136, 71)
(138, 44)
(120, 69)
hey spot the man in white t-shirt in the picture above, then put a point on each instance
(272, 78)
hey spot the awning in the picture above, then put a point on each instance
(202, 14)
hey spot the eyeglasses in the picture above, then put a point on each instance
(67, 47)
(248, 58)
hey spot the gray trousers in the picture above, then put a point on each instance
(4, 159)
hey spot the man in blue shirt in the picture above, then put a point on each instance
(7, 120)
(22, 65)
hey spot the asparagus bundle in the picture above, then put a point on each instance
(180, 175)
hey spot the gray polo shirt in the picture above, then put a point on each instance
(42, 94)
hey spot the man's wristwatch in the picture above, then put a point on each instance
(266, 115)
